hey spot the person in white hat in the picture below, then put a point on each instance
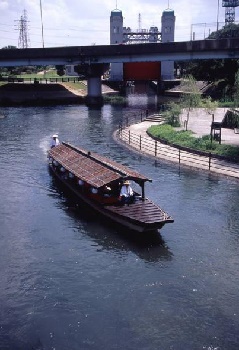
(126, 193)
(55, 141)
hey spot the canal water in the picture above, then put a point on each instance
(70, 281)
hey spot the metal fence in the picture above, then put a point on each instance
(41, 80)
(159, 150)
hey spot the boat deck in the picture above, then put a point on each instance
(141, 211)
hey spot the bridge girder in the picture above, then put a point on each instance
(105, 54)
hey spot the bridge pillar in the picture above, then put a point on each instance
(94, 91)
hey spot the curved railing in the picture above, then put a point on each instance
(158, 150)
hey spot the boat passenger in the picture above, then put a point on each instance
(126, 193)
(94, 190)
(55, 141)
(107, 191)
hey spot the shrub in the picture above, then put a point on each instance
(187, 139)
(172, 113)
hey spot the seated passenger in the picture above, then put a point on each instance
(93, 190)
(126, 193)
(107, 191)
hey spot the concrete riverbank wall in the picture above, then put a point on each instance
(30, 94)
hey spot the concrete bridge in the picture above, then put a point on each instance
(95, 59)
(174, 51)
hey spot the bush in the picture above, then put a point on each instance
(171, 114)
(167, 133)
(186, 139)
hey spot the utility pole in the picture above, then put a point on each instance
(139, 20)
(217, 15)
(42, 32)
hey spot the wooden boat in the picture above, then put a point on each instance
(97, 180)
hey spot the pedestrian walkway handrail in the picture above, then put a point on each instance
(134, 118)
(159, 150)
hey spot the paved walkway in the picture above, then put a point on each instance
(200, 123)
(135, 137)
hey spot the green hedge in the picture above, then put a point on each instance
(187, 139)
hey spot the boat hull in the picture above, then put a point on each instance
(116, 213)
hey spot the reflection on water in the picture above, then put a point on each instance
(141, 95)
(148, 246)
(72, 281)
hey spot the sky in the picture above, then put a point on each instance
(87, 22)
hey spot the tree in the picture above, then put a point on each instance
(214, 70)
(228, 31)
(60, 70)
(80, 69)
(172, 114)
(9, 47)
(210, 106)
(190, 97)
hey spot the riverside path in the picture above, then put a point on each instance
(135, 137)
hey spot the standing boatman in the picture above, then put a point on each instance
(55, 141)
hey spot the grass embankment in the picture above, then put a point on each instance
(184, 138)
(44, 74)
(78, 85)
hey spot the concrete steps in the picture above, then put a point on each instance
(155, 118)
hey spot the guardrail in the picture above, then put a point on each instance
(159, 150)
(41, 80)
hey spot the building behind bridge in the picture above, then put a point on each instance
(120, 35)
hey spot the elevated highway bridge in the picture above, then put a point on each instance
(101, 54)
(96, 58)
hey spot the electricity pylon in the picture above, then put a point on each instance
(23, 40)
